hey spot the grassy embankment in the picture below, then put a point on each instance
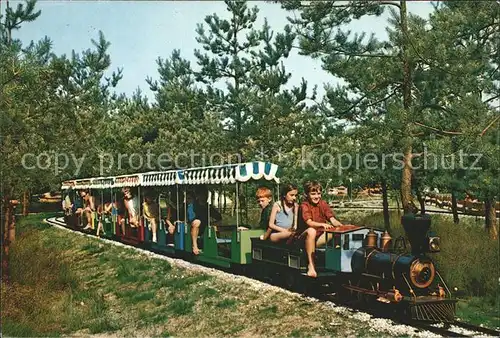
(469, 261)
(65, 284)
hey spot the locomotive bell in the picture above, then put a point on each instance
(386, 242)
(371, 239)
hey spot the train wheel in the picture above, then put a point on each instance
(346, 295)
(362, 297)
(294, 281)
(261, 272)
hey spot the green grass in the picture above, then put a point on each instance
(141, 297)
(180, 307)
(269, 311)
(103, 325)
(126, 273)
(166, 334)
(93, 248)
(18, 329)
(208, 292)
(298, 333)
(477, 311)
(226, 303)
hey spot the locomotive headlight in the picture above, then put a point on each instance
(434, 244)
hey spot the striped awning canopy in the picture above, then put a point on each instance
(160, 178)
(223, 174)
(128, 181)
(67, 185)
(257, 171)
(102, 182)
(82, 184)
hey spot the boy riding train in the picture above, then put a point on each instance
(289, 221)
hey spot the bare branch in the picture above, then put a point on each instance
(439, 130)
(340, 51)
(489, 125)
(371, 104)
(390, 3)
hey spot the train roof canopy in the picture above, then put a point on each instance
(223, 174)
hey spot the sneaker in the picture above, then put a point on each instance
(88, 227)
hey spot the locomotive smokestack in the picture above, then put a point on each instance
(416, 227)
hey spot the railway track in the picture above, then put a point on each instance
(455, 329)
(476, 328)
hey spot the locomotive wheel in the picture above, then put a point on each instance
(294, 281)
(346, 295)
(261, 271)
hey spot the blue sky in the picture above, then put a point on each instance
(142, 31)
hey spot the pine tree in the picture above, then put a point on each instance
(248, 61)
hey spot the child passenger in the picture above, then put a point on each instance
(316, 214)
(283, 218)
(89, 207)
(150, 210)
(131, 203)
(264, 197)
(103, 210)
(198, 215)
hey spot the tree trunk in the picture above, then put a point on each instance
(239, 121)
(398, 206)
(490, 217)
(6, 224)
(454, 208)
(9, 30)
(406, 199)
(385, 205)
(233, 209)
(224, 201)
(25, 202)
(12, 222)
(421, 201)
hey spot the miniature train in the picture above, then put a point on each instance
(357, 263)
